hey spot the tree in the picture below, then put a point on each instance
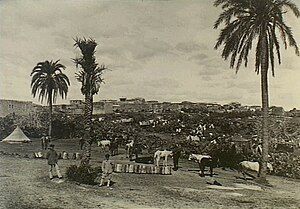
(48, 81)
(260, 21)
(90, 77)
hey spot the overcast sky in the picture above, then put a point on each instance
(159, 50)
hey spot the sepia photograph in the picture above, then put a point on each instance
(155, 104)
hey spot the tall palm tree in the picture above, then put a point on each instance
(259, 21)
(90, 77)
(48, 81)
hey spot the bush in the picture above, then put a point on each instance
(84, 174)
(285, 164)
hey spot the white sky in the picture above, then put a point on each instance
(159, 50)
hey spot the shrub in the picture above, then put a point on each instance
(285, 164)
(84, 174)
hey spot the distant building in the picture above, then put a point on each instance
(277, 111)
(27, 113)
(214, 107)
(255, 108)
(102, 108)
(76, 102)
(235, 107)
(16, 107)
(152, 102)
(235, 104)
(187, 105)
(294, 113)
(137, 100)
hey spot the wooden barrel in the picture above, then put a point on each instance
(123, 169)
(152, 171)
(78, 156)
(149, 169)
(166, 170)
(127, 168)
(157, 170)
(118, 168)
(142, 169)
(130, 168)
(65, 156)
(136, 168)
(38, 154)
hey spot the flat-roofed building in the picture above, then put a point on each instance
(16, 107)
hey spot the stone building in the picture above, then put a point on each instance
(25, 113)
(23, 108)
(102, 108)
(277, 111)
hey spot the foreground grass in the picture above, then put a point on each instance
(24, 184)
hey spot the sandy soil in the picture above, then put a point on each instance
(25, 185)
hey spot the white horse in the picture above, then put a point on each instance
(103, 143)
(245, 166)
(158, 154)
(193, 138)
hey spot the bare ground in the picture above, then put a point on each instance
(25, 185)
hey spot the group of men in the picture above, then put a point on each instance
(52, 158)
(107, 164)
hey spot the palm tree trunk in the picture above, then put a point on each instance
(87, 129)
(265, 112)
(50, 115)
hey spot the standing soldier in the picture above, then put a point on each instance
(46, 142)
(107, 169)
(43, 142)
(176, 155)
(52, 158)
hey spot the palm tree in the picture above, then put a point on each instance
(259, 21)
(48, 81)
(90, 77)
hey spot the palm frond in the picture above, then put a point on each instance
(48, 81)
(247, 21)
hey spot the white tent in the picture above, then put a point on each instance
(17, 136)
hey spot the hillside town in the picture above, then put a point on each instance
(124, 105)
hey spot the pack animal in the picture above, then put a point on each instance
(103, 143)
(193, 138)
(246, 166)
(160, 154)
(203, 161)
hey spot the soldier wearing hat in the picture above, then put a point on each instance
(52, 158)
